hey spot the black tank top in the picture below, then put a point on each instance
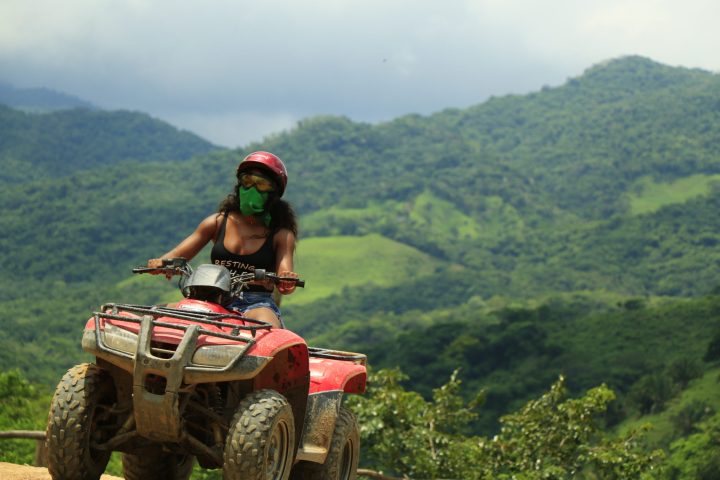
(263, 258)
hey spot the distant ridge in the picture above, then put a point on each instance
(62, 142)
(640, 74)
(40, 99)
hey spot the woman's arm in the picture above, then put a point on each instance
(284, 242)
(195, 242)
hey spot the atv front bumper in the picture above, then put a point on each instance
(157, 409)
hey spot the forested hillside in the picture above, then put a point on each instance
(37, 146)
(572, 230)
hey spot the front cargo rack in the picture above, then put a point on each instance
(207, 318)
(151, 314)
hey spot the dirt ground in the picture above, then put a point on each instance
(9, 471)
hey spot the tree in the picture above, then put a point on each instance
(550, 437)
(695, 457)
(412, 436)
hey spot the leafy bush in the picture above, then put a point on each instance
(696, 457)
(651, 392)
(550, 437)
(690, 415)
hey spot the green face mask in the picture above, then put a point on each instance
(253, 202)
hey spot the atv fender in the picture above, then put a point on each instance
(329, 380)
(287, 373)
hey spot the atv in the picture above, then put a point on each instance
(193, 381)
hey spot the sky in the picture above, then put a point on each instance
(235, 71)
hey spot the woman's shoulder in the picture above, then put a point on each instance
(211, 223)
(213, 218)
(284, 236)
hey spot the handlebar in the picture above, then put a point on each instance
(170, 266)
(260, 274)
(179, 266)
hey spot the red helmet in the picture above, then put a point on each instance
(268, 162)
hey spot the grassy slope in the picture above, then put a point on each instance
(648, 196)
(330, 264)
(438, 218)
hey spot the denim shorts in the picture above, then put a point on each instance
(247, 301)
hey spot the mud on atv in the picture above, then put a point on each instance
(198, 382)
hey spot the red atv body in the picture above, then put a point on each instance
(171, 385)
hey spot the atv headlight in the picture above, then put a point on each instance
(119, 339)
(217, 355)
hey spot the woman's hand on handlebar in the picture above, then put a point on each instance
(286, 287)
(155, 263)
(158, 263)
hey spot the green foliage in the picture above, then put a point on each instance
(60, 143)
(651, 392)
(681, 415)
(648, 196)
(552, 437)
(712, 354)
(513, 353)
(695, 457)
(690, 415)
(557, 437)
(683, 370)
(409, 435)
(23, 406)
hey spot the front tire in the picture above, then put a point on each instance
(343, 457)
(79, 418)
(261, 442)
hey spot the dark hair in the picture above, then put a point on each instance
(281, 212)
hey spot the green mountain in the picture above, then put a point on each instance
(39, 99)
(526, 176)
(36, 146)
(570, 230)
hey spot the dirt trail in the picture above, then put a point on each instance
(9, 471)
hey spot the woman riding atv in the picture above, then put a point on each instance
(253, 229)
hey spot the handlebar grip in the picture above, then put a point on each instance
(296, 281)
(158, 271)
(261, 274)
(143, 269)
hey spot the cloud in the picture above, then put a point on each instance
(276, 60)
(233, 129)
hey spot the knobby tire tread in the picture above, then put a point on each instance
(68, 431)
(250, 429)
